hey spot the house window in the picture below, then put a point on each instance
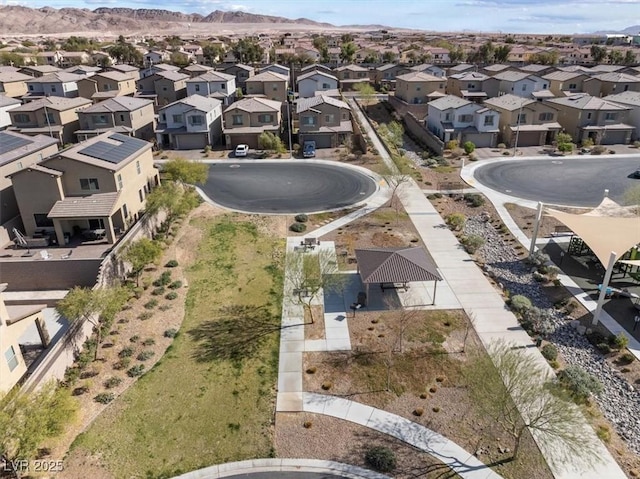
(30, 87)
(223, 86)
(524, 87)
(417, 88)
(573, 86)
(626, 87)
(589, 116)
(488, 120)
(610, 116)
(21, 118)
(275, 87)
(177, 118)
(522, 118)
(119, 181)
(163, 117)
(49, 118)
(164, 88)
(441, 86)
(196, 120)
(465, 118)
(545, 116)
(121, 117)
(326, 86)
(330, 118)
(90, 184)
(12, 358)
(447, 117)
(53, 88)
(125, 211)
(42, 221)
(100, 119)
(237, 120)
(141, 196)
(265, 118)
(96, 224)
(107, 87)
(197, 87)
(309, 120)
(138, 169)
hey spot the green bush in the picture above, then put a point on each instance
(469, 147)
(104, 398)
(520, 303)
(149, 342)
(171, 264)
(298, 227)
(456, 221)
(151, 304)
(627, 358)
(176, 285)
(565, 147)
(302, 218)
(144, 355)
(122, 364)
(604, 348)
(620, 341)
(126, 353)
(451, 145)
(170, 333)
(502, 146)
(474, 199)
(136, 370)
(472, 243)
(159, 291)
(579, 383)
(549, 352)
(112, 382)
(171, 296)
(134, 338)
(163, 280)
(146, 315)
(381, 458)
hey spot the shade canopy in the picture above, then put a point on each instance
(607, 228)
(396, 265)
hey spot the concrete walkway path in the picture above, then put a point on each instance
(462, 462)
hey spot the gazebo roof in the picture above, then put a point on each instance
(396, 265)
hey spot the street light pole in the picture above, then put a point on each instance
(289, 127)
(515, 145)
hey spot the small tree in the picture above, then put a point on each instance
(456, 221)
(141, 253)
(366, 93)
(186, 171)
(394, 182)
(469, 147)
(173, 199)
(269, 141)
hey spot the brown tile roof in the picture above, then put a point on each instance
(396, 265)
(98, 205)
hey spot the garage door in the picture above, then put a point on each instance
(484, 140)
(191, 142)
(614, 137)
(322, 141)
(528, 138)
(246, 139)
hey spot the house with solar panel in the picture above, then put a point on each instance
(96, 189)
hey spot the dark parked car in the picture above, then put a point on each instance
(309, 149)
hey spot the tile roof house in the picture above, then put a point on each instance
(129, 70)
(418, 87)
(241, 72)
(60, 84)
(350, 75)
(562, 82)
(534, 123)
(99, 185)
(277, 68)
(461, 68)
(274, 86)
(520, 83)
(19, 151)
(630, 99)
(13, 84)
(83, 70)
(106, 85)
(36, 71)
(454, 118)
(315, 81)
(325, 120)
(191, 123)
(218, 85)
(469, 85)
(584, 116)
(434, 70)
(386, 74)
(165, 87)
(53, 116)
(7, 103)
(603, 84)
(196, 69)
(246, 119)
(154, 68)
(127, 115)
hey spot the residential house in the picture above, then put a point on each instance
(83, 70)
(630, 99)
(496, 68)
(315, 81)
(153, 69)
(154, 57)
(604, 68)
(195, 70)
(13, 84)
(99, 185)
(562, 83)
(309, 52)
(454, 118)
(242, 74)
(6, 103)
(533, 123)
(325, 120)
(434, 70)
(519, 83)
(417, 87)
(19, 151)
(538, 70)
(273, 86)
(106, 85)
(576, 56)
(165, 86)
(470, 85)
(277, 68)
(36, 71)
(215, 85)
(58, 84)
(129, 116)
(102, 59)
(15, 321)
(50, 58)
(74, 58)
(461, 68)
(351, 75)
(53, 116)
(129, 70)
(311, 68)
(191, 123)
(603, 84)
(603, 121)
(385, 75)
(246, 119)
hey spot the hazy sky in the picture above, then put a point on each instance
(543, 16)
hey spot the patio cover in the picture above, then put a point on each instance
(396, 265)
(91, 206)
(608, 227)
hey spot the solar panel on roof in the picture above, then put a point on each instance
(10, 142)
(114, 153)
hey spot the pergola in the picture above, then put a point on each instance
(396, 265)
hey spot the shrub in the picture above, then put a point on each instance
(620, 341)
(381, 458)
(604, 433)
(506, 153)
(311, 370)
(112, 382)
(627, 358)
(520, 303)
(144, 316)
(538, 259)
(151, 304)
(501, 146)
(598, 150)
(158, 291)
(636, 144)
(126, 353)
(302, 218)
(165, 307)
(137, 292)
(298, 227)
(122, 364)
(579, 383)
(163, 280)
(136, 370)
(469, 147)
(456, 221)
(595, 337)
(176, 285)
(451, 144)
(474, 199)
(550, 352)
(418, 411)
(144, 355)
(472, 243)
(586, 143)
(604, 348)
(105, 398)
(170, 333)
(327, 385)
(171, 263)
(307, 424)
(134, 338)
(149, 342)
(146, 283)
(171, 296)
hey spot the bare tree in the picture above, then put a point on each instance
(395, 182)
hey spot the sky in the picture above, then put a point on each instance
(517, 16)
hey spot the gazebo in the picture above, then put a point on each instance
(396, 266)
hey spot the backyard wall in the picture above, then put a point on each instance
(403, 108)
(41, 275)
(419, 132)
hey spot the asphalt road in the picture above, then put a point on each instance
(287, 187)
(575, 182)
(286, 475)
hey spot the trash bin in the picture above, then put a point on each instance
(67, 238)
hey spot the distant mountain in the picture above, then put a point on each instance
(15, 20)
(633, 30)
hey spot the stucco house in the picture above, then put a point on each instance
(274, 86)
(131, 71)
(630, 99)
(7, 103)
(191, 123)
(99, 185)
(385, 75)
(520, 83)
(315, 81)
(603, 84)
(13, 84)
(218, 85)
(454, 118)
(351, 75)
(246, 119)
(418, 87)
(165, 87)
(241, 72)
(196, 69)
(60, 84)
(277, 68)
(36, 71)
(123, 114)
(325, 120)
(431, 69)
(562, 83)
(106, 85)
(469, 85)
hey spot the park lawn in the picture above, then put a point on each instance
(211, 399)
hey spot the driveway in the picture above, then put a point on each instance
(286, 186)
(577, 181)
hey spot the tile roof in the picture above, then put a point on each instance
(268, 76)
(508, 102)
(211, 76)
(419, 77)
(121, 103)
(470, 76)
(316, 72)
(255, 105)
(8, 101)
(198, 102)
(583, 101)
(617, 77)
(461, 67)
(626, 98)
(10, 77)
(304, 104)
(396, 265)
(511, 76)
(57, 103)
(449, 101)
(173, 75)
(15, 145)
(57, 77)
(497, 67)
(101, 204)
(123, 67)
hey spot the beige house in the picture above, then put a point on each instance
(165, 86)
(19, 151)
(469, 85)
(533, 122)
(246, 119)
(123, 114)
(129, 70)
(106, 85)
(36, 71)
(241, 72)
(605, 84)
(95, 189)
(418, 87)
(351, 75)
(13, 84)
(563, 82)
(584, 116)
(325, 120)
(271, 85)
(53, 116)
(14, 321)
